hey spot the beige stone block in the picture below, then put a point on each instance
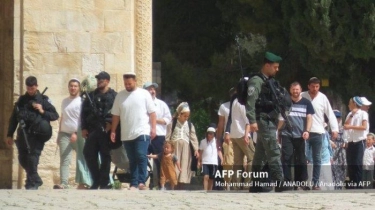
(118, 20)
(52, 63)
(78, 4)
(115, 4)
(73, 42)
(40, 42)
(43, 4)
(119, 62)
(92, 64)
(45, 20)
(85, 20)
(107, 42)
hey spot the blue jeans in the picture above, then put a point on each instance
(314, 143)
(137, 153)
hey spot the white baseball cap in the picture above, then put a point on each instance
(365, 101)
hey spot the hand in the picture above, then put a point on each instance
(9, 141)
(73, 138)
(305, 135)
(334, 135)
(196, 154)
(346, 127)
(85, 133)
(246, 139)
(113, 137)
(254, 127)
(152, 134)
(38, 107)
(226, 138)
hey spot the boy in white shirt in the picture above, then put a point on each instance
(208, 158)
(368, 160)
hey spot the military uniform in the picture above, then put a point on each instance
(258, 108)
(35, 126)
(98, 140)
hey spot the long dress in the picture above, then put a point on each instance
(181, 137)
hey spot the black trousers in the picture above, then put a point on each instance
(97, 144)
(156, 147)
(30, 161)
(354, 159)
(293, 150)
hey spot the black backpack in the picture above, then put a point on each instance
(241, 88)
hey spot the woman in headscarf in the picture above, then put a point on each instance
(182, 133)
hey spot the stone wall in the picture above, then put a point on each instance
(62, 39)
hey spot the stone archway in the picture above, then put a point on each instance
(60, 39)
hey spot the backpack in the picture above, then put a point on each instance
(240, 95)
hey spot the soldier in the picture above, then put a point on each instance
(96, 122)
(259, 106)
(33, 111)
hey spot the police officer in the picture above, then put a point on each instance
(259, 106)
(96, 121)
(34, 112)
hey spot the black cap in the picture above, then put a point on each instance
(103, 75)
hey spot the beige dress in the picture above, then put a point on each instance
(180, 137)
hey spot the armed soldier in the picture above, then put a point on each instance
(96, 121)
(33, 111)
(262, 115)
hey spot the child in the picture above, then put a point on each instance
(167, 165)
(208, 158)
(368, 159)
(339, 155)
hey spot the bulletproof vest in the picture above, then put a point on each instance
(265, 101)
(35, 123)
(103, 104)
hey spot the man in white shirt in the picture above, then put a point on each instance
(355, 127)
(242, 144)
(69, 138)
(322, 107)
(163, 118)
(135, 108)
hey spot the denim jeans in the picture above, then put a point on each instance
(314, 143)
(137, 153)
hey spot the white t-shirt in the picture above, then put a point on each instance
(224, 112)
(162, 112)
(368, 158)
(321, 106)
(134, 109)
(357, 119)
(70, 113)
(239, 120)
(209, 154)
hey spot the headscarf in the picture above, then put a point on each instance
(182, 107)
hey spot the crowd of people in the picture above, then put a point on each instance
(253, 135)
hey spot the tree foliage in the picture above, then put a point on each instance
(331, 39)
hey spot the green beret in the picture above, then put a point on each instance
(272, 57)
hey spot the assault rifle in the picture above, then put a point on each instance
(95, 110)
(282, 101)
(22, 123)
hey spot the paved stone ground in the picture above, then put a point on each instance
(152, 199)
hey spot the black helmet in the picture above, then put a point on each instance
(42, 129)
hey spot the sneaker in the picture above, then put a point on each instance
(132, 188)
(59, 187)
(142, 187)
(316, 188)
